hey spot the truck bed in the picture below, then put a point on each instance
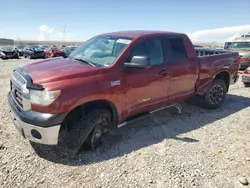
(208, 52)
(212, 62)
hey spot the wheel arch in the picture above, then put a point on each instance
(202, 86)
(89, 106)
(225, 76)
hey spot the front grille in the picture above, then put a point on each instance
(17, 94)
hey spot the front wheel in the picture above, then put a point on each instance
(215, 95)
(88, 130)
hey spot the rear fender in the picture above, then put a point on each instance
(203, 85)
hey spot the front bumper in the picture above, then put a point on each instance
(245, 79)
(10, 54)
(35, 126)
(48, 136)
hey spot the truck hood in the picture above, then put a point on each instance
(57, 69)
(244, 52)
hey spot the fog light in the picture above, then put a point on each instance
(36, 134)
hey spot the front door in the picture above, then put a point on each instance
(183, 70)
(146, 89)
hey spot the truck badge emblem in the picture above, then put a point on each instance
(144, 99)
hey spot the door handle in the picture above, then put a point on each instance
(163, 72)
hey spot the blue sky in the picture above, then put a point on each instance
(45, 20)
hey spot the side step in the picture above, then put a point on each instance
(144, 115)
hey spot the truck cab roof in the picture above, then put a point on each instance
(141, 33)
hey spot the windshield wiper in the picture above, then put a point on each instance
(86, 62)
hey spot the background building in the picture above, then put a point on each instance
(4, 41)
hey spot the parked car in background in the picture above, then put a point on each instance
(110, 80)
(243, 47)
(246, 77)
(226, 45)
(34, 52)
(2, 55)
(69, 49)
(10, 51)
(48, 52)
(57, 52)
(20, 49)
(54, 52)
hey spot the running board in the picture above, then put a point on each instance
(144, 115)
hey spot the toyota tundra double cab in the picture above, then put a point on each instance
(64, 103)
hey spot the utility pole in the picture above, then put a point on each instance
(64, 29)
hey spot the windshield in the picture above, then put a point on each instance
(240, 45)
(101, 51)
(7, 48)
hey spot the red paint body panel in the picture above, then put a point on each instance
(81, 83)
(210, 66)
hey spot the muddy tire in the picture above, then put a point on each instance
(214, 96)
(70, 141)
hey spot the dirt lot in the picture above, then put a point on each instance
(198, 148)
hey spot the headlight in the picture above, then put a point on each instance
(44, 97)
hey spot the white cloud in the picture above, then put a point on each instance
(219, 34)
(45, 33)
(48, 33)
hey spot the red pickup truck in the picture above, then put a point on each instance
(64, 103)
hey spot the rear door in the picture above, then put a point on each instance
(146, 89)
(183, 70)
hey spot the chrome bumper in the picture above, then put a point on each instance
(42, 135)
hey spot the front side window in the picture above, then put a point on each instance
(101, 51)
(152, 48)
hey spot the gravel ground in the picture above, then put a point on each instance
(198, 148)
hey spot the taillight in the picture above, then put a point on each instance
(244, 59)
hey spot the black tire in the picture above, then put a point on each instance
(215, 95)
(71, 141)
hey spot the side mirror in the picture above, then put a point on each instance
(138, 62)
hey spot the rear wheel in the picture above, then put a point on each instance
(89, 130)
(215, 95)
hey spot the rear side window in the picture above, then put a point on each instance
(175, 49)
